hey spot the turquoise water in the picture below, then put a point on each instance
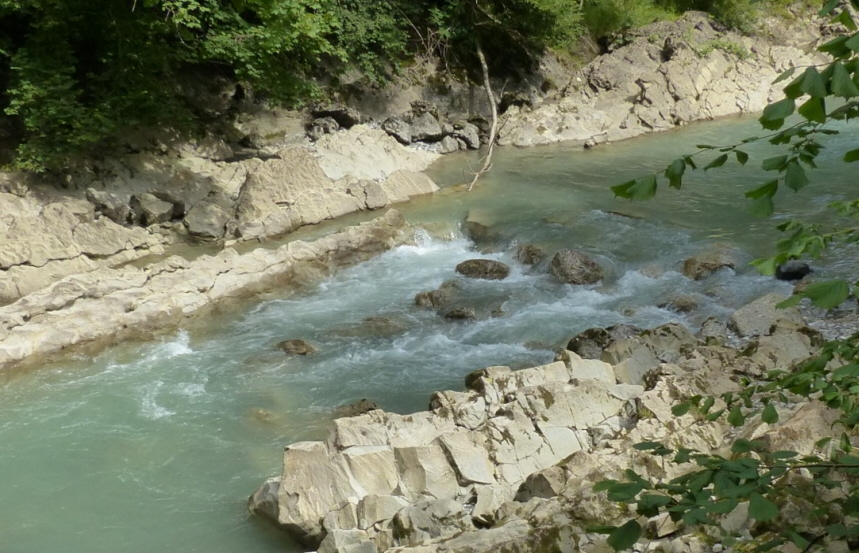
(154, 447)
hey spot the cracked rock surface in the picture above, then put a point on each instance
(510, 463)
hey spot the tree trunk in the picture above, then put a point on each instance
(487, 160)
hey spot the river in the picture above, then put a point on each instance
(154, 447)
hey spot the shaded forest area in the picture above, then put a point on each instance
(74, 73)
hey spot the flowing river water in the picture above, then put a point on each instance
(154, 447)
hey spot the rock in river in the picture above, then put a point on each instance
(483, 268)
(574, 267)
(708, 262)
(296, 347)
(792, 270)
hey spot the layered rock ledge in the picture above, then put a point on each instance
(509, 464)
(126, 208)
(106, 304)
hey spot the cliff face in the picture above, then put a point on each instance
(666, 75)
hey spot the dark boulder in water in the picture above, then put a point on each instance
(483, 268)
(574, 267)
(792, 270)
(296, 347)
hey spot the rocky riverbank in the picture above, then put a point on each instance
(510, 463)
(279, 170)
(106, 305)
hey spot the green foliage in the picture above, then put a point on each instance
(75, 72)
(605, 17)
(825, 487)
(773, 483)
(727, 46)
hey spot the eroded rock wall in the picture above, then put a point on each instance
(667, 75)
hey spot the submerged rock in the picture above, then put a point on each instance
(792, 270)
(708, 262)
(461, 313)
(373, 326)
(296, 347)
(486, 269)
(574, 267)
(438, 298)
(356, 408)
(529, 254)
(680, 303)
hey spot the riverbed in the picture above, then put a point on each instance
(156, 446)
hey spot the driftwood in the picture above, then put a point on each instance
(487, 160)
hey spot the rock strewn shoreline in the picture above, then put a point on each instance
(107, 304)
(509, 464)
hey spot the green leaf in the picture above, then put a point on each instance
(735, 417)
(770, 414)
(649, 504)
(813, 83)
(778, 110)
(602, 529)
(762, 207)
(845, 19)
(853, 42)
(814, 110)
(646, 446)
(792, 301)
(794, 176)
(851, 156)
(828, 294)
(624, 491)
(625, 536)
(708, 403)
(742, 157)
(722, 507)
(851, 505)
(847, 371)
(836, 47)
(674, 173)
(842, 82)
(785, 75)
(774, 163)
(643, 188)
(761, 508)
(713, 416)
(765, 266)
(718, 162)
(767, 190)
(681, 409)
(741, 445)
(827, 9)
(604, 485)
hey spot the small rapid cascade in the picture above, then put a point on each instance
(156, 446)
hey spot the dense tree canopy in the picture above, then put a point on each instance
(73, 72)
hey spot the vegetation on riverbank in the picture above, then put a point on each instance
(74, 73)
(799, 503)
